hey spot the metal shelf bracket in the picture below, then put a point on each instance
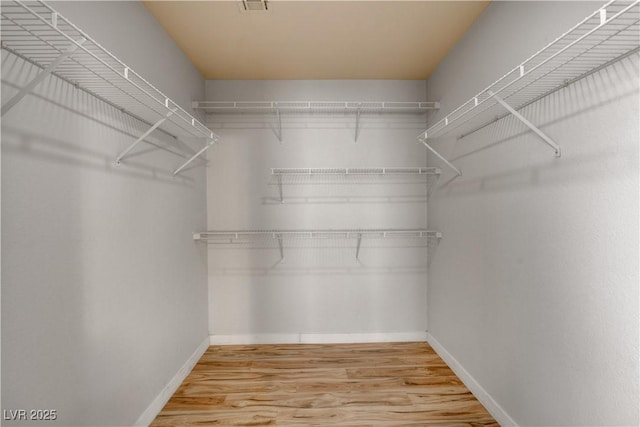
(279, 118)
(438, 155)
(550, 142)
(280, 188)
(281, 248)
(195, 156)
(358, 247)
(26, 90)
(355, 140)
(142, 137)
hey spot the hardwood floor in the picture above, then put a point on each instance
(384, 384)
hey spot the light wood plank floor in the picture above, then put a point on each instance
(385, 384)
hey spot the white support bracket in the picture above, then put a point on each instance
(195, 156)
(438, 155)
(281, 248)
(355, 139)
(530, 125)
(280, 189)
(26, 90)
(358, 247)
(143, 136)
(279, 118)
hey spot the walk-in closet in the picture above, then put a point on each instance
(320, 213)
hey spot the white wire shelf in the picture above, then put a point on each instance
(245, 236)
(39, 34)
(280, 237)
(607, 35)
(305, 107)
(278, 108)
(355, 171)
(346, 176)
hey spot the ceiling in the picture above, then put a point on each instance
(402, 40)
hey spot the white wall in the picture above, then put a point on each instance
(534, 289)
(319, 292)
(103, 290)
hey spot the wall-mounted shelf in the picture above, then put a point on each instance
(277, 108)
(607, 35)
(37, 33)
(280, 236)
(355, 171)
(306, 107)
(295, 176)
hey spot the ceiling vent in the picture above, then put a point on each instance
(254, 5)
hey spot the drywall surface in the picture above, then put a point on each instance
(534, 289)
(103, 289)
(319, 291)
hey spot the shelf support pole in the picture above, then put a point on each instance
(143, 136)
(281, 248)
(550, 142)
(280, 188)
(279, 123)
(358, 246)
(195, 156)
(355, 140)
(26, 90)
(438, 155)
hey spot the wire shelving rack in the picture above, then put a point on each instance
(401, 171)
(242, 236)
(231, 237)
(37, 33)
(306, 107)
(278, 108)
(282, 177)
(607, 35)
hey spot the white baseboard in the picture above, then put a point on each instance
(302, 338)
(165, 394)
(480, 393)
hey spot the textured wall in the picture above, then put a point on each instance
(103, 290)
(320, 288)
(534, 289)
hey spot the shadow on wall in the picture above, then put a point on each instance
(49, 140)
(316, 121)
(16, 141)
(25, 296)
(339, 200)
(572, 170)
(62, 103)
(349, 189)
(570, 103)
